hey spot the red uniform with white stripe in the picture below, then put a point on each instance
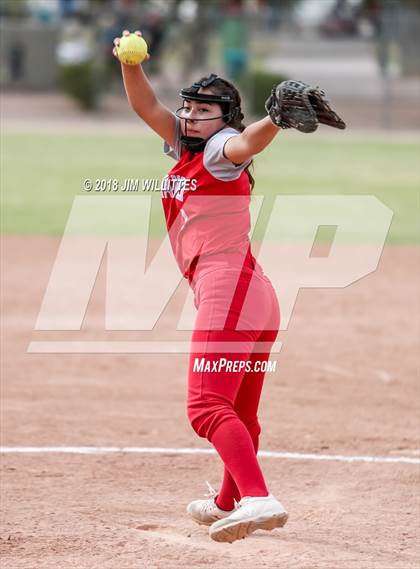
(208, 222)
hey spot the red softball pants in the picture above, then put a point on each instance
(238, 319)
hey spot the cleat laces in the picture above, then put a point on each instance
(211, 493)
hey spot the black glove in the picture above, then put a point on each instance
(294, 104)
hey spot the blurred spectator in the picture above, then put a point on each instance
(114, 17)
(193, 17)
(153, 30)
(234, 40)
(149, 17)
(16, 61)
(341, 21)
(371, 11)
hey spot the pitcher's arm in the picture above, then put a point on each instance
(143, 100)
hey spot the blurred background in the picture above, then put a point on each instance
(349, 365)
(65, 115)
(56, 62)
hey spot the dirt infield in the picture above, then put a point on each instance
(346, 384)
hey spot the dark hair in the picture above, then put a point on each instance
(223, 87)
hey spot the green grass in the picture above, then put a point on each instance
(42, 174)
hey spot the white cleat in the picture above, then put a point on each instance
(206, 512)
(252, 513)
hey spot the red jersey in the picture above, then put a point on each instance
(206, 214)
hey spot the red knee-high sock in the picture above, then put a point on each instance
(235, 446)
(228, 490)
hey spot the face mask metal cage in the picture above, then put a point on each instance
(229, 109)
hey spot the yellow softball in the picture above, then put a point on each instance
(132, 49)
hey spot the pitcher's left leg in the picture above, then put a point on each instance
(246, 405)
(212, 414)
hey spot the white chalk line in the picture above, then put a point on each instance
(162, 450)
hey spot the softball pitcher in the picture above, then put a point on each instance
(206, 199)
